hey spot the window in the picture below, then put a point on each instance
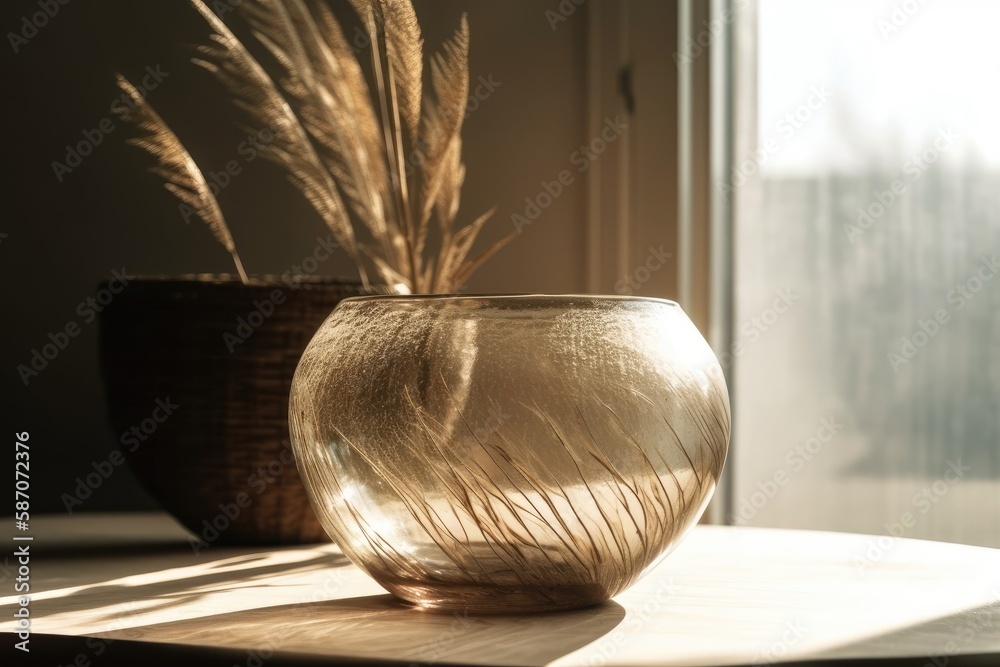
(866, 338)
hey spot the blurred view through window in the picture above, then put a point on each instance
(867, 342)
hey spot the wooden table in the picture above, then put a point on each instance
(119, 588)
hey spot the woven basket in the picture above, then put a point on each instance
(220, 461)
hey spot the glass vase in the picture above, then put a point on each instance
(508, 453)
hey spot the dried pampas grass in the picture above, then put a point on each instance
(345, 151)
(181, 176)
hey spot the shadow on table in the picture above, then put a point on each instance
(64, 650)
(146, 556)
(169, 579)
(380, 627)
(973, 634)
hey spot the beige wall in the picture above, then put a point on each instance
(523, 134)
(64, 237)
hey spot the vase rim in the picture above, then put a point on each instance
(510, 298)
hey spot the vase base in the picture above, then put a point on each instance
(499, 600)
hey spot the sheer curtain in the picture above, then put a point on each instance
(866, 344)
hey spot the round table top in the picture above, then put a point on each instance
(121, 585)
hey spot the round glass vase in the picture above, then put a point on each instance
(508, 453)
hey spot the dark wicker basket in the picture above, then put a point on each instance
(181, 339)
